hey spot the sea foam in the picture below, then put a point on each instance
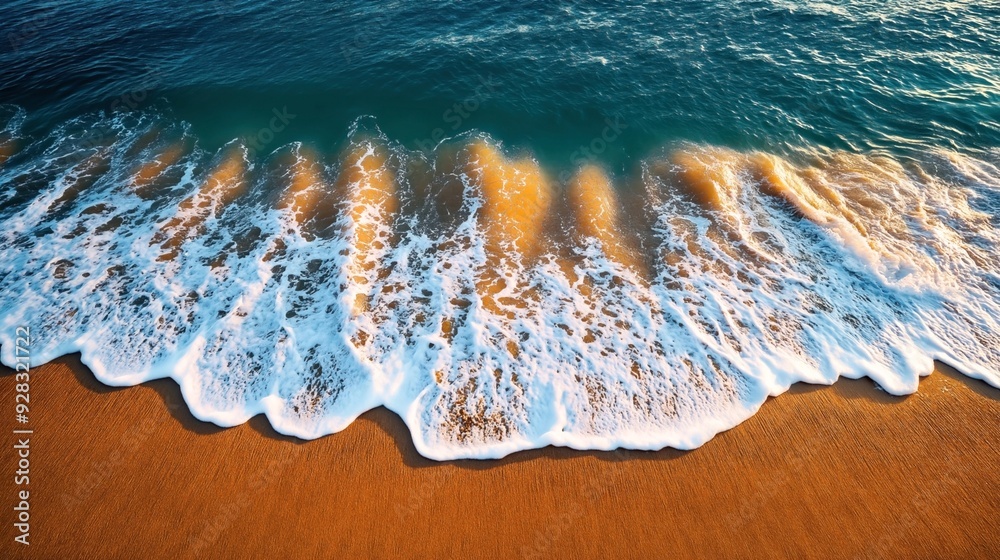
(492, 308)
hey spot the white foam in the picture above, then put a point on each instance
(601, 358)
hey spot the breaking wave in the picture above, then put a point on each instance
(490, 306)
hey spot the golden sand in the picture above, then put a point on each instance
(305, 189)
(8, 147)
(594, 204)
(369, 185)
(516, 201)
(82, 177)
(871, 201)
(826, 472)
(709, 178)
(224, 184)
(145, 178)
(704, 175)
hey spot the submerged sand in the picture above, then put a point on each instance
(844, 471)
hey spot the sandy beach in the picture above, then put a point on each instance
(845, 471)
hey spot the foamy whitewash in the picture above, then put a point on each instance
(491, 308)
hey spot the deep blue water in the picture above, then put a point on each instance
(546, 77)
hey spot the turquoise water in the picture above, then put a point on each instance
(759, 74)
(586, 224)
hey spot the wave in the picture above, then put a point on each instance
(492, 307)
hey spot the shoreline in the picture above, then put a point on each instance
(845, 470)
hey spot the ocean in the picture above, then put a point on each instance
(585, 224)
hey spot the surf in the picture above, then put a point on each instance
(492, 306)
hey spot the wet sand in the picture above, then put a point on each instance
(843, 471)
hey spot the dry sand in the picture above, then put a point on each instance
(843, 471)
